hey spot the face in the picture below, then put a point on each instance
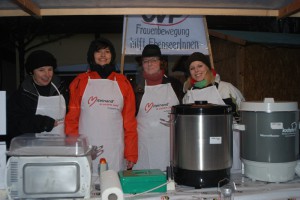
(151, 65)
(198, 70)
(102, 56)
(42, 76)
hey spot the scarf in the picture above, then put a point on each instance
(104, 71)
(43, 90)
(154, 79)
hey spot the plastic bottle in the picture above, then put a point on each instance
(102, 166)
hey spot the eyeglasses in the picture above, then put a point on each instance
(150, 61)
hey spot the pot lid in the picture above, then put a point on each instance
(29, 145)
(201, 107)
(268, 105)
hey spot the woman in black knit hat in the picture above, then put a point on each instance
(39, 104)
(204, 84)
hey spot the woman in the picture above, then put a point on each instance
(155, 95)
(102, 106)
(39, 105)
(204, 84)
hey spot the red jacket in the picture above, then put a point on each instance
(77, 88)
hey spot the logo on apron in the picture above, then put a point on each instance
(151, 105)
(109, 103)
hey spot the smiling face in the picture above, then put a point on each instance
(151, 65)
(102, 56)
(42, 76)
(198, 70)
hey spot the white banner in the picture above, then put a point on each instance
(174, 34)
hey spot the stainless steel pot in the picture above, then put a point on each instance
(202, 143)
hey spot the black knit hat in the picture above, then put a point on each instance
(197, 56)
(39, 58)
(151, 50)
(97, 44)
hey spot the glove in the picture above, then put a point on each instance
(49, 124)
(44, 123)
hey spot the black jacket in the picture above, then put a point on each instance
(139, 89)
(22, 105)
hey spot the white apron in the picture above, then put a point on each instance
(55, 107)
(101, 120)
(154, 137)
(212, 95)
(209, 94)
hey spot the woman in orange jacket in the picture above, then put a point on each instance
(102, 106)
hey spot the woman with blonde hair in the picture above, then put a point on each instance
(204, 84)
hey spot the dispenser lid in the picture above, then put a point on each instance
(201, 108)
(268, 105)
(29, 145)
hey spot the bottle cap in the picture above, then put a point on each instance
(102, 161)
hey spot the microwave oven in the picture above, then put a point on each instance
(48, 168)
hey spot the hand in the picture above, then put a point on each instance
(96, 151)
(165, 122)
(58, 122)
(129, 165)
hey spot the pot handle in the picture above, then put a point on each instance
(238, 127)
(172, 118)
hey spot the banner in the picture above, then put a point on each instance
(174, 34)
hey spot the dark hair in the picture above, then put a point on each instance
(97, 44)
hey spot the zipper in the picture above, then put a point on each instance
(30, 92)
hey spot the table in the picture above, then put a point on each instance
(246, 189)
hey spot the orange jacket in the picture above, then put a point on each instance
(77, 88)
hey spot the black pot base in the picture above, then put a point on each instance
(201, 179)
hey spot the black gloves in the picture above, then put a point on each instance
(44, 123)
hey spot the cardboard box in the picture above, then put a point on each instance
(137, 181)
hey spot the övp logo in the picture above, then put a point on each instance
(163, 20)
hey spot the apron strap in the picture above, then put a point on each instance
(55, 87)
